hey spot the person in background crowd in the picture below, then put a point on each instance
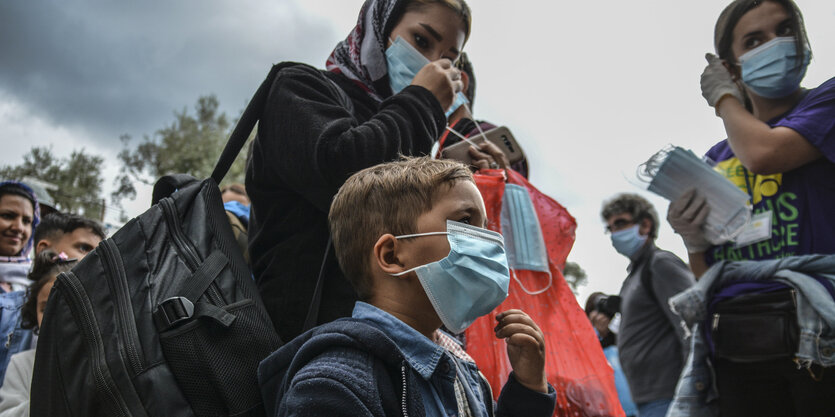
(71, 234)
(237, 205)
(386, 92)
(651, 340)
(410, 237)
(14, 394)
(18, 219)
(600, 311)
(780, 150)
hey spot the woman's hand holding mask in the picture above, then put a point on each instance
(442, 79)
(718, 83)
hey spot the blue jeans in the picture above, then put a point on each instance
(657, 408)
(13, 339)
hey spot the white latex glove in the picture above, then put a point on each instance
(717, 82)
(687, 215)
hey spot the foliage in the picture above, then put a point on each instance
(78, 179)
(191, 144)
(574, 275)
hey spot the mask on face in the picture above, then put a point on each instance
(771, 70)
(404, 62)
(469, 282)
(628, 241)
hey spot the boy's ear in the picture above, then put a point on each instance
(41, 245)
(385, 254)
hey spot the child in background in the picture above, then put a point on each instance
(14, 394)
(409, 236)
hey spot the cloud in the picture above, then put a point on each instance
(112, 68)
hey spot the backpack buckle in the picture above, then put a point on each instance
(172, 311)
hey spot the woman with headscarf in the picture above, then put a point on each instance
(18, 219)
(387, 91)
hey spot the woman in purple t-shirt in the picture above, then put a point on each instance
(781, 151)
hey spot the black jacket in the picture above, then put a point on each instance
(351, 368)
(317, 129)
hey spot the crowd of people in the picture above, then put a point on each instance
(348, 195)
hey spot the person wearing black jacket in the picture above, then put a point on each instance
(319, 127)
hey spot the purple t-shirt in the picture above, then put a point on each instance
(802, 201)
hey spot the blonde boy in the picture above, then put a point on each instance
(410, 237)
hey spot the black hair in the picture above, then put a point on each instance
(19, 190)
(636, 206)
(46, 266)
(57, 223)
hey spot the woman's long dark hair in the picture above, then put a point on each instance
(47, 265)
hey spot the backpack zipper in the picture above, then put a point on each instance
(115, 270)
(715, 324)
(186, 248)
(92, 335)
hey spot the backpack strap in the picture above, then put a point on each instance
(246, 123)
(646, 278)
(313, 311)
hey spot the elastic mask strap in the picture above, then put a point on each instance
(421, 234)
(477, 124)
(415, 235)
(464, 138)
(550, 281)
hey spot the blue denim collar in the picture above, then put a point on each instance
(422, 354)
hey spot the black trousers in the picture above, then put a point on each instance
(774, 388)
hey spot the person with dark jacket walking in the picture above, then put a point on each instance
(652, 339)
(372, 104)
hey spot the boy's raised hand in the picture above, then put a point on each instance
(525, 348)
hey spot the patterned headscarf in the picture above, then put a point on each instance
(362, 55)
(23, 256)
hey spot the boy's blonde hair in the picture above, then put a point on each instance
(385, 198)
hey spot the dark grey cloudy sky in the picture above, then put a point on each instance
(590, 88)
(122, 67)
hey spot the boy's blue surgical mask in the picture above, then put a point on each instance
(628, 241)
(404, 62)
(774, 69)
(469, 282)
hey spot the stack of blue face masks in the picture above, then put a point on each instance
(671, 172)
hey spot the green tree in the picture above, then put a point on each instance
(191, 144)
(78, 179)
(574, 275)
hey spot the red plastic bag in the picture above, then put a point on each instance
(574, 363)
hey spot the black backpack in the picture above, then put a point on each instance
(163, 318)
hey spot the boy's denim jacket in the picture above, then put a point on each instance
(696, 392)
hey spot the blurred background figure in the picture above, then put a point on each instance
(601, 309)
(236, 203)
(71, 234)
(19, 216)
(14, 394)
(652, 339)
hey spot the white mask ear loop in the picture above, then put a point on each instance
(477, 125)
(410, 236)
(518, 281)
(464, 138)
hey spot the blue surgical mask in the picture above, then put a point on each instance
(469, 282)
(404, 62)
(628, 241)
(771, 70)
(523, 235)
